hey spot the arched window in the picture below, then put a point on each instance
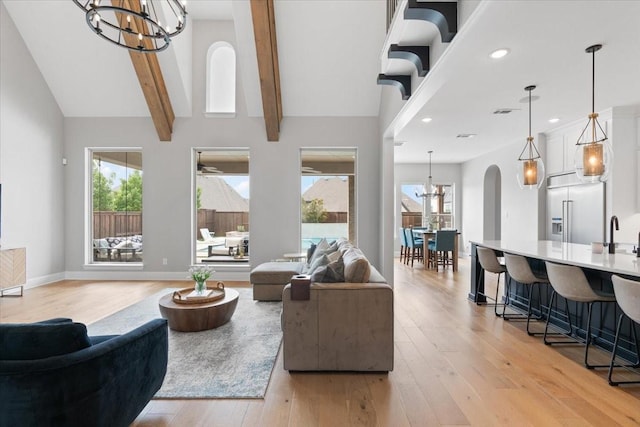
(221, 79)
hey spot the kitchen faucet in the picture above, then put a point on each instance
(612, 245)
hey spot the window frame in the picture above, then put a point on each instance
(209, 84)
(89, 262)
(352, 218)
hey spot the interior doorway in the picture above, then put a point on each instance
(492, 204)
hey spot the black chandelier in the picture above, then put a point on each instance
(136, 24)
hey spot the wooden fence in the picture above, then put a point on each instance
(116, 224)
(221, 222)
(411, 219)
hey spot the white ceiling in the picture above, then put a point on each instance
(330, 55)
(328, 51)
(547, 41)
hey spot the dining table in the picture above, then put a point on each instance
(430, 235)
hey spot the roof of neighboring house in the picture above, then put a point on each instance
(333, 191)
(410, 205)
(218, 195)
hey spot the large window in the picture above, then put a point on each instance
(116, 206)
(328, 202)
(222, 206)
(411, 205)
(435, 212)
(441, 212)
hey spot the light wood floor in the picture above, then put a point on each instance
(455, 364)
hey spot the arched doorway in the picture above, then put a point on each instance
(492, 201)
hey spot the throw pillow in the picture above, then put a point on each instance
(356, 266)
(330, 273)
(334, 256)
(31, 341)
(311, 250)
(321, 247)
(320, 261)
(332, 247)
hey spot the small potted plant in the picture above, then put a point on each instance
(200, 274)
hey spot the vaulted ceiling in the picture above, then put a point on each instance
(328, 52)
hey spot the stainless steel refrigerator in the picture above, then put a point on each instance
(575, 211)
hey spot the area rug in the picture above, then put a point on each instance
(232, 361)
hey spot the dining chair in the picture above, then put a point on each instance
(570, 282)
(627, 293)
(440, 247)
(404, 247)
(489, 262)
(519, 269)
(415, 247)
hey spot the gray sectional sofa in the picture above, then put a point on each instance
(347, 322)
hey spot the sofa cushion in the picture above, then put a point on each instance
(275, 272)
(356, 266)
(31, 341)
(330, 273)
(128, 244)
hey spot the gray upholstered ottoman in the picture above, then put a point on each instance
(269, 278)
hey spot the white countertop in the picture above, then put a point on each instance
(570, 253)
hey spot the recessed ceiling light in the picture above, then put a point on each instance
(426, 120)
(554, 120)
(499, 53)
(504, 110)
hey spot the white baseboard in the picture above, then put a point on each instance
(43, 280)
(150, 275)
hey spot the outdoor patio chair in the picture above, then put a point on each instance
(207, 235)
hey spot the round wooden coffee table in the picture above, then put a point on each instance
(199, 317)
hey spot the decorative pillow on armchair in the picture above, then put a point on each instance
(31, 341)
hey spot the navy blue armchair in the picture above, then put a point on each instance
(53, 374)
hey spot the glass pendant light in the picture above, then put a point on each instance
(594, 156)
(530, 167)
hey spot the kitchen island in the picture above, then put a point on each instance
(598, 269)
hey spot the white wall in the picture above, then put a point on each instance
(31, 170)
(521, 209)
(274, 168)
(412, 173)
(623, 183)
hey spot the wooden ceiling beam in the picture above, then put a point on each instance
(149, 75)
(264, 29)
